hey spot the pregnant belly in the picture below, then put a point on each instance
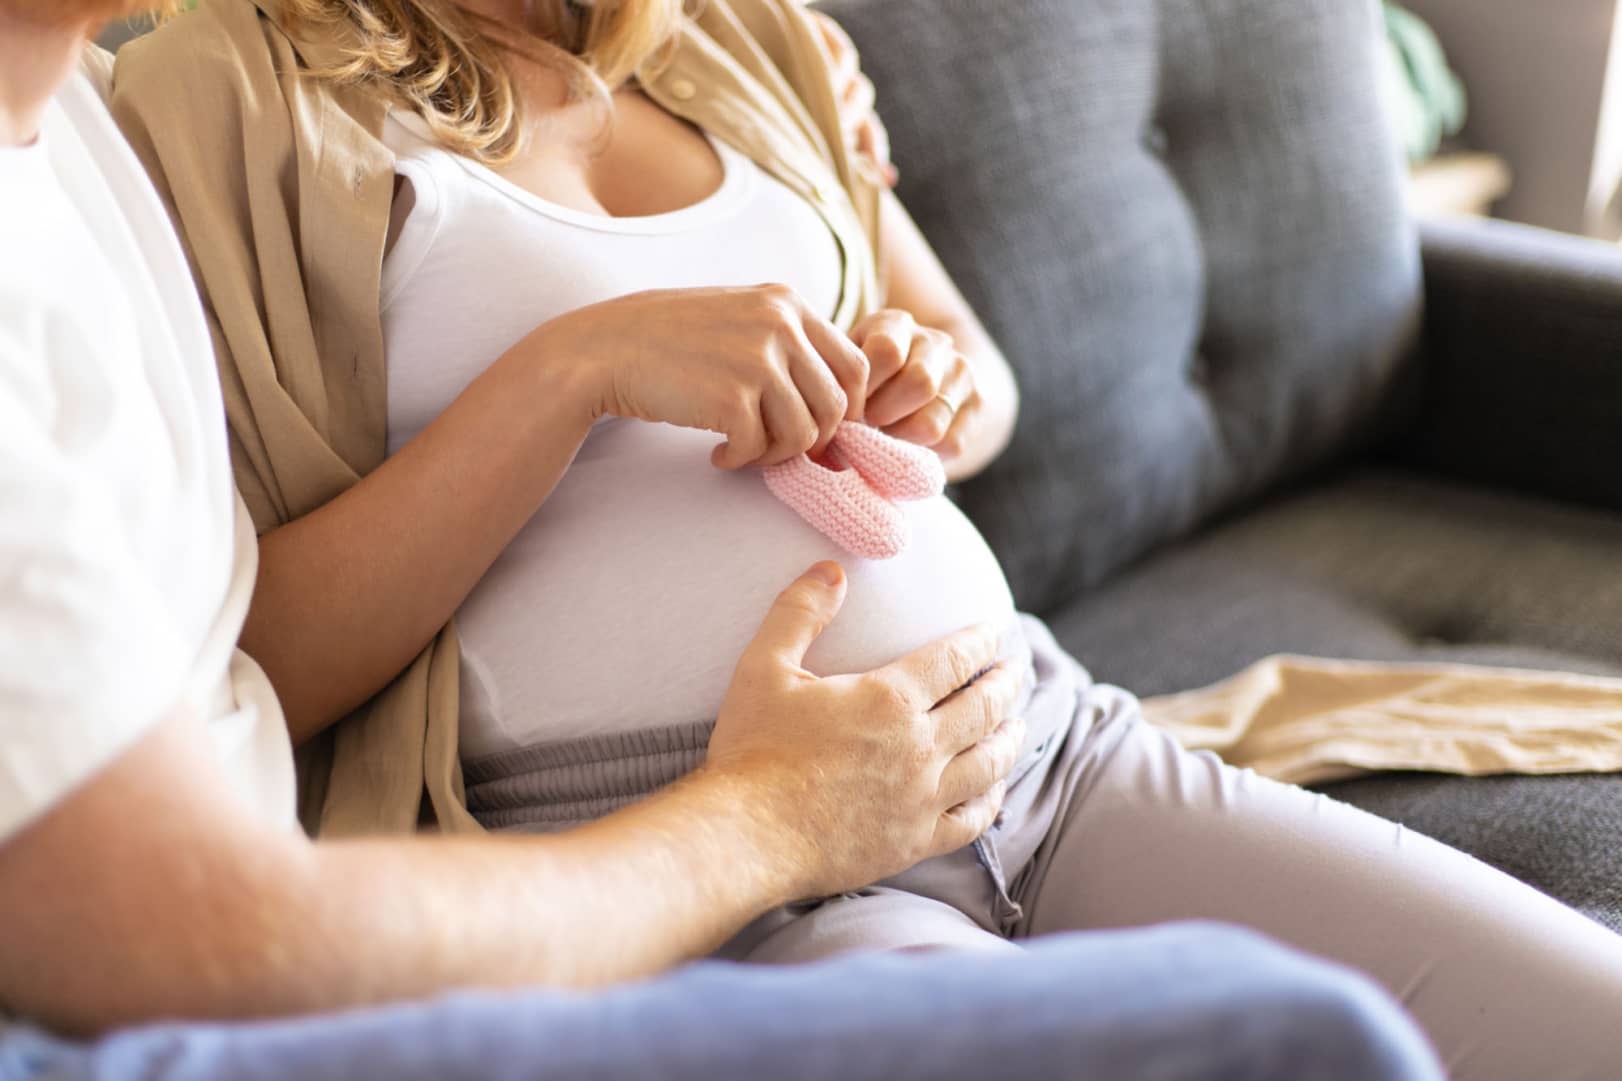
(626, 602)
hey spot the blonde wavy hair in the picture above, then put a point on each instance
(453, 67)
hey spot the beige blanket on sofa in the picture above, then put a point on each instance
(1304, 719)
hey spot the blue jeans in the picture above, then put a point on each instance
(1176, 1003)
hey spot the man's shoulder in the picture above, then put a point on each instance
(97, 67)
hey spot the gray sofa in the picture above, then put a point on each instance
(1263, 411)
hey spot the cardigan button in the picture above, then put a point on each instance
(683, 89)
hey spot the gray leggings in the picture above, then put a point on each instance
(1110, 824)
(1121, 827)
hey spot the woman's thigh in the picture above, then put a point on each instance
(1509, 983)
(875, 919)
(1175, 1004)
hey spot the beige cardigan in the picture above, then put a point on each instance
(281, 187)
(289, 182)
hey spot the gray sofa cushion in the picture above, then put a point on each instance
(1376, 565)
(1392, 566)
(1182, 222)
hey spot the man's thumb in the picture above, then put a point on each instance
(801, 613)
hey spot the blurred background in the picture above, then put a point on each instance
(1509, 108)
(1534, 133)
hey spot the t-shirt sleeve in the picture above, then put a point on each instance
(97, 66)
(88, 659)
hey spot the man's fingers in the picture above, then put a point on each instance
(798, 615)
(859, 99)
(968, 822)
(933, 672)
(979, 709)
(973, 772)
(873, 143)
(840, 47)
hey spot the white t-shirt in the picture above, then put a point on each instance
(627, 600)
(126, 558)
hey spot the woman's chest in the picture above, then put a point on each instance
(479, 265)
(635, 160)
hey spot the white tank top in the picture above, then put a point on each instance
(627, 600)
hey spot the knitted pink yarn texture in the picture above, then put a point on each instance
(851, 496)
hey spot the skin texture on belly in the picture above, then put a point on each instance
(628, 599)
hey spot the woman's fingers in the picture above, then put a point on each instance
(821, 394)
(956, 440)
(930, 422)
(978, 710)
(745, 435)
(843, 359)
(791, 429)
(885, 338)
(930, 360)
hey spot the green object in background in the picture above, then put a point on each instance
(1425, 98)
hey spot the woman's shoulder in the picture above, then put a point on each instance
(220, 47)
(775, 25)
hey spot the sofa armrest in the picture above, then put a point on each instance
(1522, 361)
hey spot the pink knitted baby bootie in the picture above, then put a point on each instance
(851, 496)
(897, 470)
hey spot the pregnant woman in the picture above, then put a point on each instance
(487, 284)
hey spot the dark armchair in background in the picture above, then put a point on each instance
(1263, 411)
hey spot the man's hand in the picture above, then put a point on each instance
(155, 892)
(863, 128)
(866, 775)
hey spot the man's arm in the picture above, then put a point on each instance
(153, 892)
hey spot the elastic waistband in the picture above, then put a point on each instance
(554, 786)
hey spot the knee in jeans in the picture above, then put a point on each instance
(1321, 1019)
(1342, 1024)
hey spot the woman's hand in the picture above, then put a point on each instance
(754, 364)
(866, 775)
(863, 129)
(921, 388)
